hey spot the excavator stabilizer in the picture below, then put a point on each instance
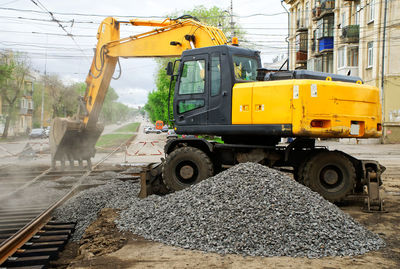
(70, 141)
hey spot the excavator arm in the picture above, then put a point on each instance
(75, 138)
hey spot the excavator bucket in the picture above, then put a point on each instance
(70, 141)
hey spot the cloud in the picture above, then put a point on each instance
(132, 97)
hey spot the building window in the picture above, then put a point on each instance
(357, 18)
(325, 27)
(327, 63)
(306, 14)
(318, 64)
(370, 54)
(302, 42)
(324, 63)
(371, 10)
(341, 57)
(352, 56)
(299, 18)
(344, 19)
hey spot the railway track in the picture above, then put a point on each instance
(27, 200)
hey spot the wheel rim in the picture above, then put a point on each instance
(331, 178)
(187, 172)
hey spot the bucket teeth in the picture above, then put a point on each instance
(71, 141)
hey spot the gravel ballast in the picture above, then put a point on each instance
(84, 207)
(248, 209)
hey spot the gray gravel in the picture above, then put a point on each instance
(84, 207)
(248, 209)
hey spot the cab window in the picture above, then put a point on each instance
(215, 74)
(245, 68)
(192, 79)
(188, 105)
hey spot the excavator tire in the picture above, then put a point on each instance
(186, 166)
(330, 174)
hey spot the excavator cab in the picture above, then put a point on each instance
(203, 91)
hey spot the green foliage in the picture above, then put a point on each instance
(129, 128)
(217, 17)
(112, 110)
(5, 71)
(14, 70)
(113, 140)
(157, 101)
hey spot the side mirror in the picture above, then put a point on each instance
(170, 69)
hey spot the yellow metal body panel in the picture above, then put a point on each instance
(242, 101)
(265, 108)
(337, 109)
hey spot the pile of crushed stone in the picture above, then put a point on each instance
(84, 207)
(248, 209)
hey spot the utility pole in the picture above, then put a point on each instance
(383, 72)
(233, 33)
(44, 86)
(288, 35)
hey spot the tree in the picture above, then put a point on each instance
(13, 71)
(62, 99)
(217, 17)
(107, 114)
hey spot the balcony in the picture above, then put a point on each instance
(316, 13)
(301, 57)
(26, 111)
(325, 43)
(326, 7)
(301, 26)
(351, 33)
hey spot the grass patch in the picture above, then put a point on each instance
(113, 140)
(129, 128)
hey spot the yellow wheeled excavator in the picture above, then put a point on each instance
(73, 139)
(222, 90)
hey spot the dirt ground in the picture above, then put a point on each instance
(104, 247)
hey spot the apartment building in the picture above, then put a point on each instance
(347, 37)
(22, 121)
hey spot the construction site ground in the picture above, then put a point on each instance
(103, 246)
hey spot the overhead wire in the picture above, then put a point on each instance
(40, 5)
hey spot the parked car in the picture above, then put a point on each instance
(47, 131)
(171, 134)
(152, 130)
(164, 129)
(37, 133)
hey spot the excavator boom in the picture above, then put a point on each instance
(75, 138)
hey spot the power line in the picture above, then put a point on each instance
(40, 5)
(133, 16)
(42, 33)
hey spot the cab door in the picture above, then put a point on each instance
(190, 98)
(219, 109)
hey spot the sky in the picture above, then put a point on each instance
(28, 27)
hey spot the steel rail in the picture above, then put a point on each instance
(12, 244)
(25, 185)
